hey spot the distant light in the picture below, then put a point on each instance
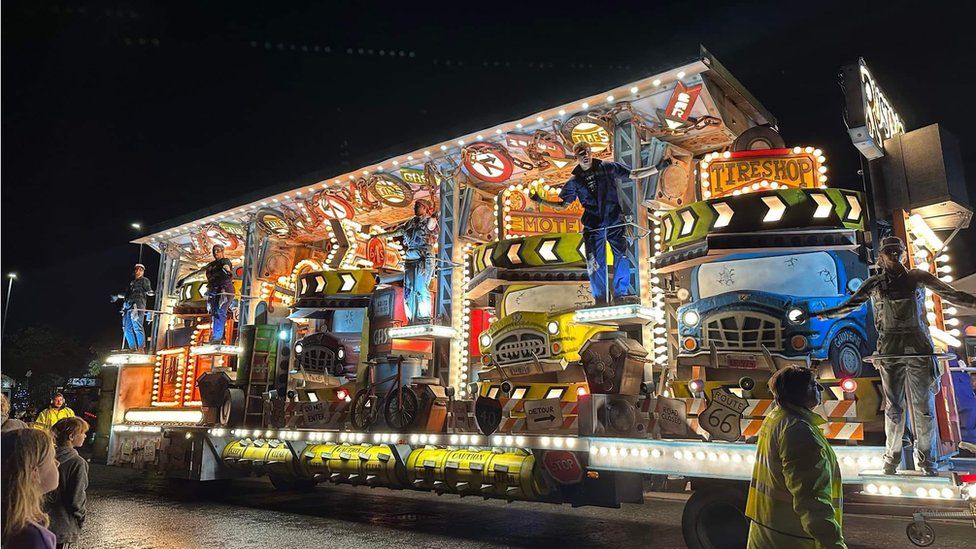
(12, 276)
(136, 226)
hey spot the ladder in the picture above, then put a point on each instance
(260, 377)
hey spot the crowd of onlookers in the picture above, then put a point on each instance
(44, 478)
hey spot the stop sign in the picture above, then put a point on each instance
(562, 466)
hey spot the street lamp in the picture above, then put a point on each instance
(138, 227)
(10, 286)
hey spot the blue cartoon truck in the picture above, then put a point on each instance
(752, 311)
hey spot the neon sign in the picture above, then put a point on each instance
(736, 173)
(870, 117)
(390, 190)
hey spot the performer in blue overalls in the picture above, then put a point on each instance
(594, 184)
(220, 292)
(419, 235)
(134, 308)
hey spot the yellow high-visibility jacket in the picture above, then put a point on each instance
(49, 416)
(796, 495)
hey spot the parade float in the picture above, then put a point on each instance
(513, 383)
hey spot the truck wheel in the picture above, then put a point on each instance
(714, 518)
(232, 407)
(288, 483)
(846, 355)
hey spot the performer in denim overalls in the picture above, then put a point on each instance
(898, 297)
(419, 235)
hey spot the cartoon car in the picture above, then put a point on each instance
(750, 311)
(535, 332)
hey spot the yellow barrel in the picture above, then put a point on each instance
(356, 463)
(506, 475)
(258, 456)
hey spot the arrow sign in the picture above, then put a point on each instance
(687, 222)
(725, 214)
(824, 205)
(546, 250)
(855, 205)
(776, 208)
(544, 414)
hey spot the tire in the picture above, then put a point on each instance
(714, 518)
(232, 408)
(400, 417)
(288, 483)
(846, 355)
(920, 534)
(364, 411)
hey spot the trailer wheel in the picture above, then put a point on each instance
(920, 533)
(714, 518)
(288, 483)
(232, 407)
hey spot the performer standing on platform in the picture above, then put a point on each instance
(898, 296)
(133, 309)
(220, 292)
(419, 235)
(594, 184)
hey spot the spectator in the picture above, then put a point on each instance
(51, 415)
(66, 505)
(796, 496)
(29, 471)
(9, 423)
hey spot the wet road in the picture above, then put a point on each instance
(130, 510)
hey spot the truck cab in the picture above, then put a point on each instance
(749, 310)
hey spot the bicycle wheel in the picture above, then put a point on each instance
(400, 409)
(364, 411)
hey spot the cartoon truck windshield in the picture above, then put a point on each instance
(535, 332)
(748, 312)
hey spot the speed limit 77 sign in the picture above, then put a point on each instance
(722, 417)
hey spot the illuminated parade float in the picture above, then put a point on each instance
(437, 320)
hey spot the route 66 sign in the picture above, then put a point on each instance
(722, 417)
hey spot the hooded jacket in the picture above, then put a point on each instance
(67, 504)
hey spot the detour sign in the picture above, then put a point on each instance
(543, 414)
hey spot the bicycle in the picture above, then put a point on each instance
(400, 404)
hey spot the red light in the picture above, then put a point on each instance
(848, 385)
(581, 391)
(342, 394)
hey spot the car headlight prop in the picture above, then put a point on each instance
(795, 315)
(553, 327)
(299, 348)
(690, 318)
(485, 340)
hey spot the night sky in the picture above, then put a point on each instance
(124, 112)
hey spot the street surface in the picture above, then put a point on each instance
(132, 510)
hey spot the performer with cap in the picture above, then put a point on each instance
(898, 297)
(594, 184)
(134, 307)
(220, 292)
(419, 235)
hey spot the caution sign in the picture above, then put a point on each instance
(721, 418)
(541, 415)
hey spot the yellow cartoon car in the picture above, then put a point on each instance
(535, 332)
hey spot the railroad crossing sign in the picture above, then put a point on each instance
(543, 414)
(722, 417)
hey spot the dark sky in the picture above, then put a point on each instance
(115, 112)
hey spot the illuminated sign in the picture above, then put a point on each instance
(335, 207)
(487, 162)
(589, 129)
(679, 106)
(376, 251)
(390, 190)
(735, 173)
(413, 176)
(530, 223)
(273, 222)
(870, 117)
